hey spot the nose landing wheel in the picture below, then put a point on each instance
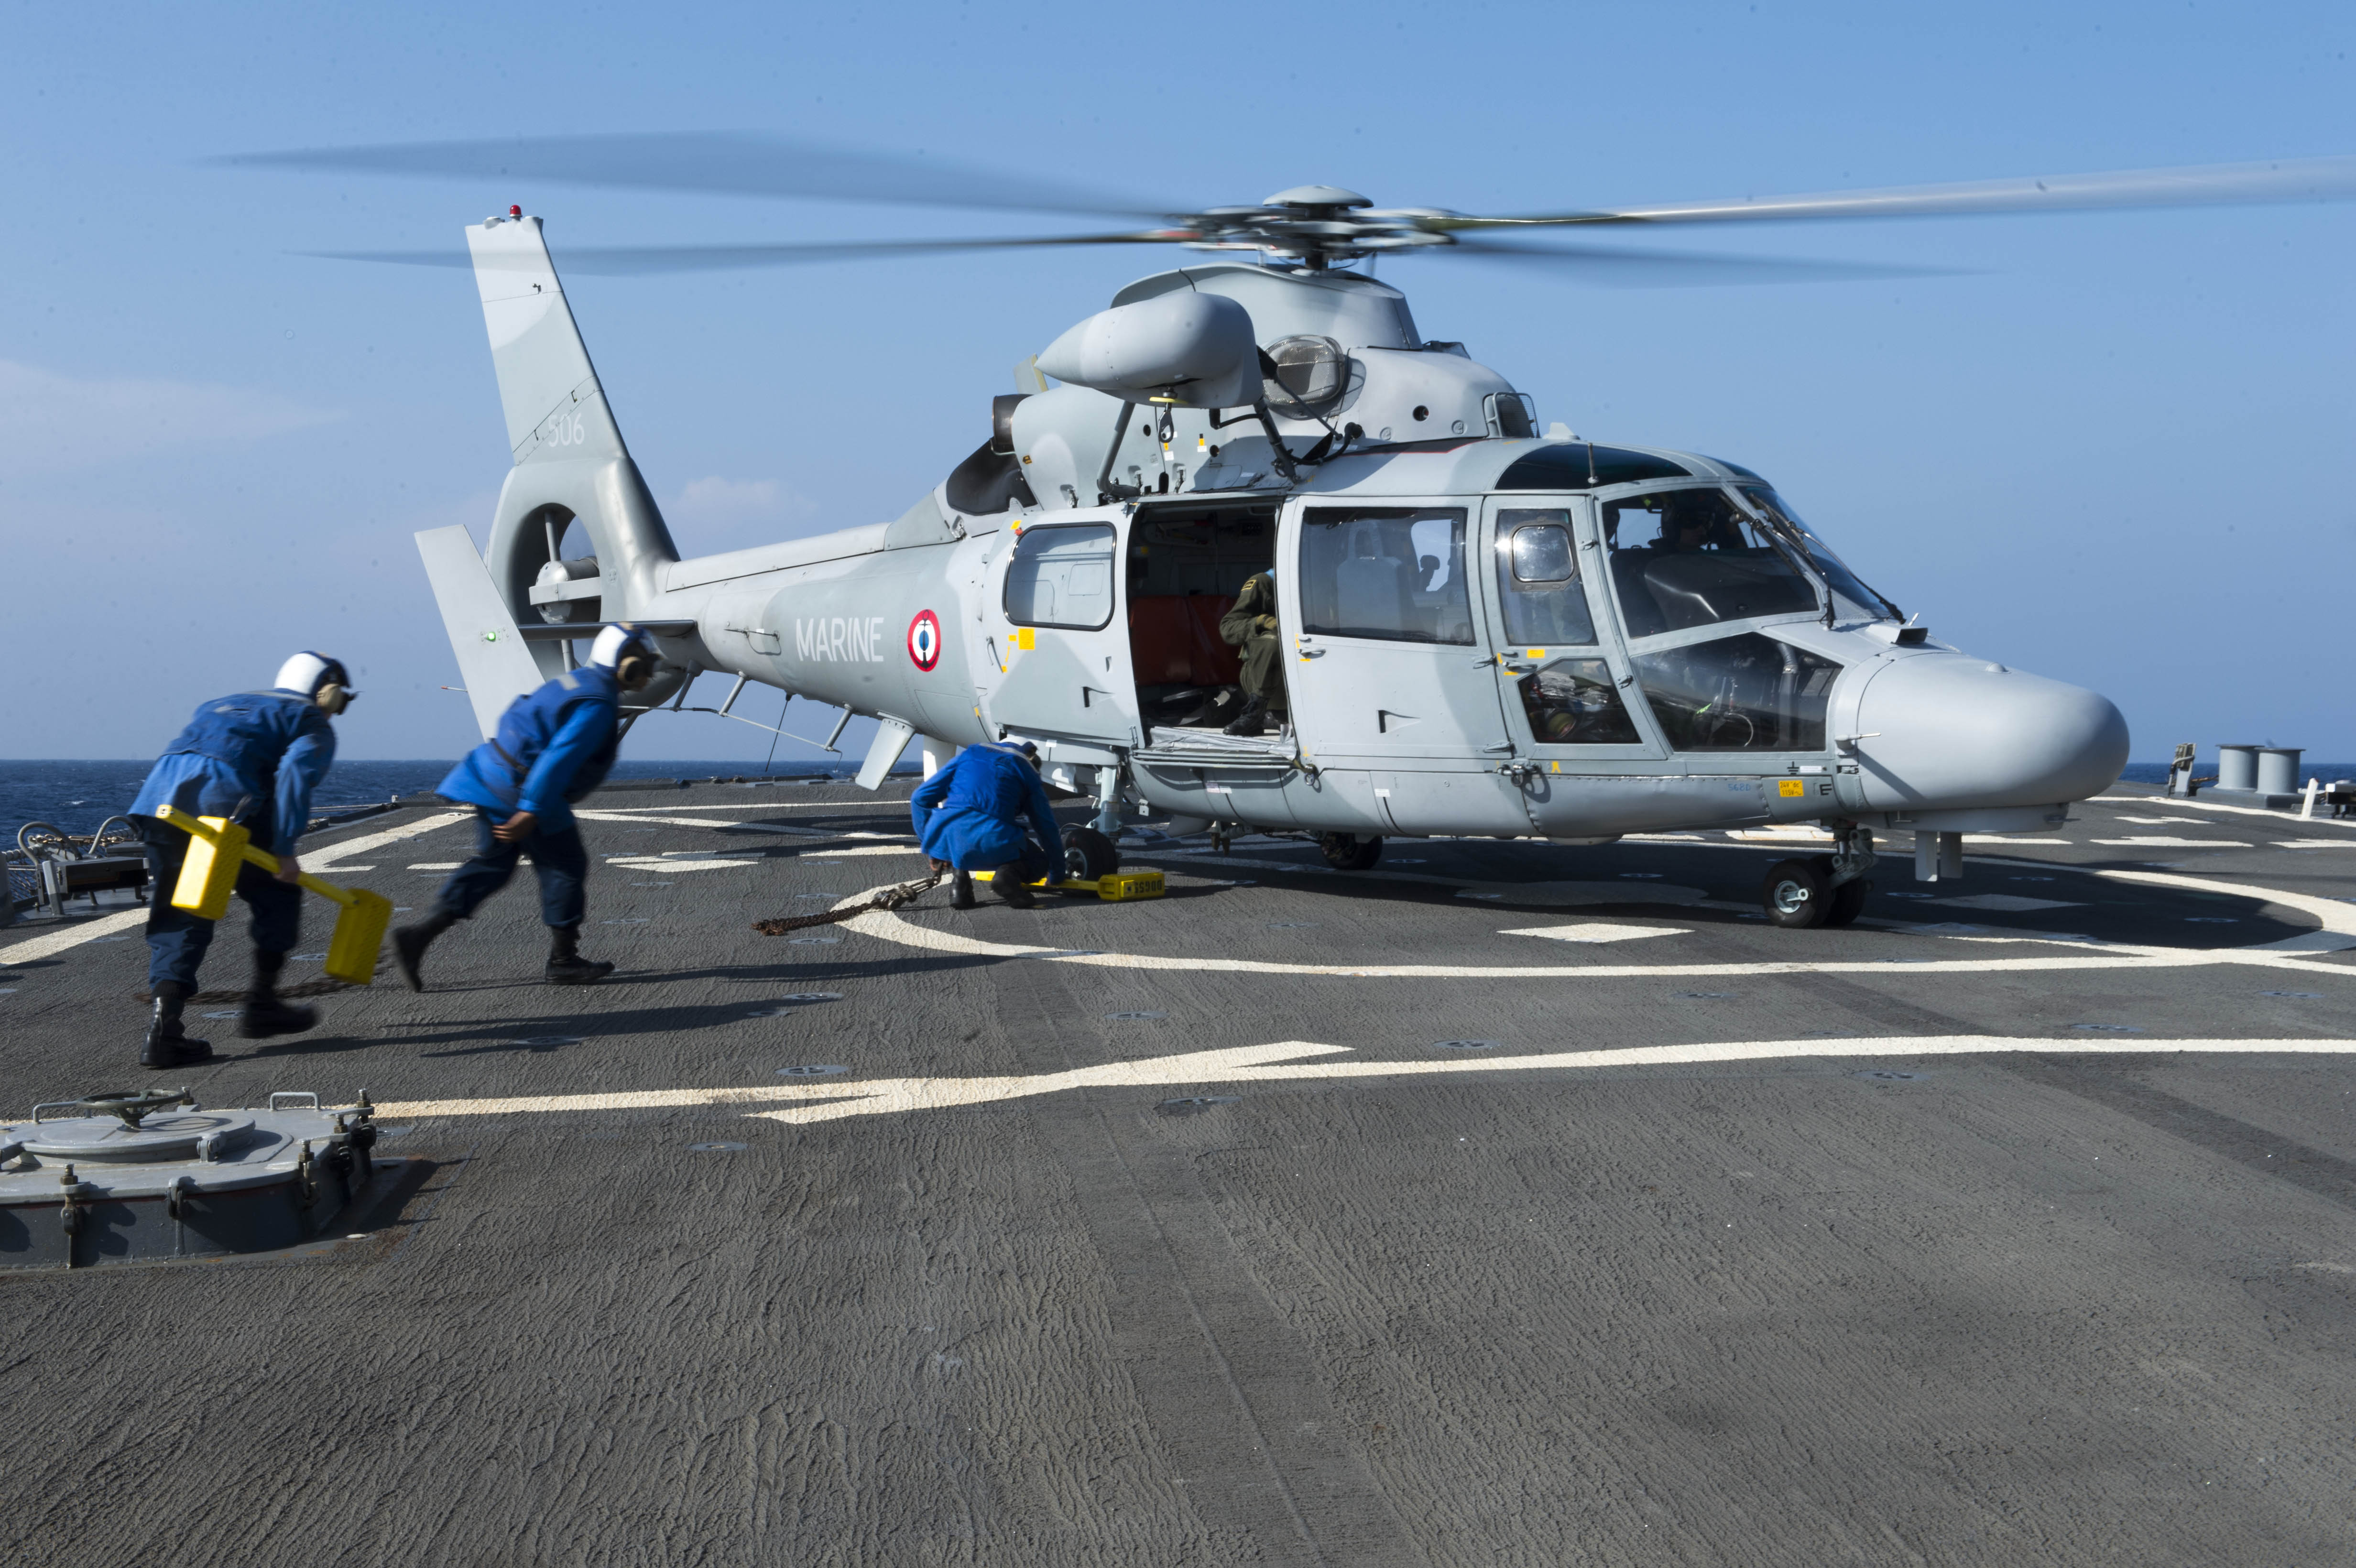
(1801, 894)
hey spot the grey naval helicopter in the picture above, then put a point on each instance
(1487, 629)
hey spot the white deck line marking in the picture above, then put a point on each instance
(1597, 930)
(629, 811)
(2315, 843)
(1552, 893)
(51, 943)
(324, 860)
(2175, 802)
(1691, 840)
(2162, 841)
(2332, 914)
(643, 819)
(671, 863)
(1283, 1062)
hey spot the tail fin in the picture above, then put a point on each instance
(554, 405)
(570, 461)
(493, 660)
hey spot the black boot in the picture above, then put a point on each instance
(1012, 882)
(1252, 721)
(168, 1044)
(264, 1014)
(961, 891)
(565, 964)
(410, 941)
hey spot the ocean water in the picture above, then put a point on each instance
(79, 795)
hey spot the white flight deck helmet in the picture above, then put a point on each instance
(626, 650)
(322, 679)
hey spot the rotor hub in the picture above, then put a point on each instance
(1319, 198)
(1317, 225)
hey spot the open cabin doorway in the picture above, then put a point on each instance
(1186, 562)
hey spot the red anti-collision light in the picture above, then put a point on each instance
(515, 212)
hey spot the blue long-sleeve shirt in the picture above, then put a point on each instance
(972, 812)
(552, 747)
(254, 758)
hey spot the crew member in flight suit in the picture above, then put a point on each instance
(1250, 624)
(253, 758)
(972, 816)
(552, 747)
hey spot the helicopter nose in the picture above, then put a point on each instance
(1959, 732)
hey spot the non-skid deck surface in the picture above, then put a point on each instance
(1172, 1233)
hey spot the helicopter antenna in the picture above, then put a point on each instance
(1590, 462)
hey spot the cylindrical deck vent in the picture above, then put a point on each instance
(2237, 767)
(2278, 770)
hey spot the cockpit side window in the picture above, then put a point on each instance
(1537, 577)
(1392, 573)
(1692, 558)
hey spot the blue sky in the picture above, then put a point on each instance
(2109, 452)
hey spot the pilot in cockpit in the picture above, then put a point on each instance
(1693, 526)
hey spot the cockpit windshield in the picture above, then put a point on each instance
(1830, 567)
(1692, 557)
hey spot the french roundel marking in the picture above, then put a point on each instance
(924, 640)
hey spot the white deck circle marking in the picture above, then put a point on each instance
(2335, 917)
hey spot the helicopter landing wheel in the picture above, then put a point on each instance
(1795, 895)
(1847, 903)
(1348, 852)
(1088, 853)
(1846, 900)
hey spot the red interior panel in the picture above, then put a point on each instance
(1173, 639)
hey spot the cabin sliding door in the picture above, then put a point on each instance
(1389, 665)
(1061, 637)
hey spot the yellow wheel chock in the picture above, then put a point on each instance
(218, 848)
(1117, 888)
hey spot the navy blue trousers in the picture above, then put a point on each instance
(176, 940)
(557, 857)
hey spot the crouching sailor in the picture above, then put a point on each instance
(552, 747)
(253, 758)
(971, 817)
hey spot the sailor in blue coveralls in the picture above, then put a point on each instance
(972, 816)
(552, 747)
(253, 758)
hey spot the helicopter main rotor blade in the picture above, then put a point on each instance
(2208, 185)
(631, 261)
(717, 161)
(1613, 267)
